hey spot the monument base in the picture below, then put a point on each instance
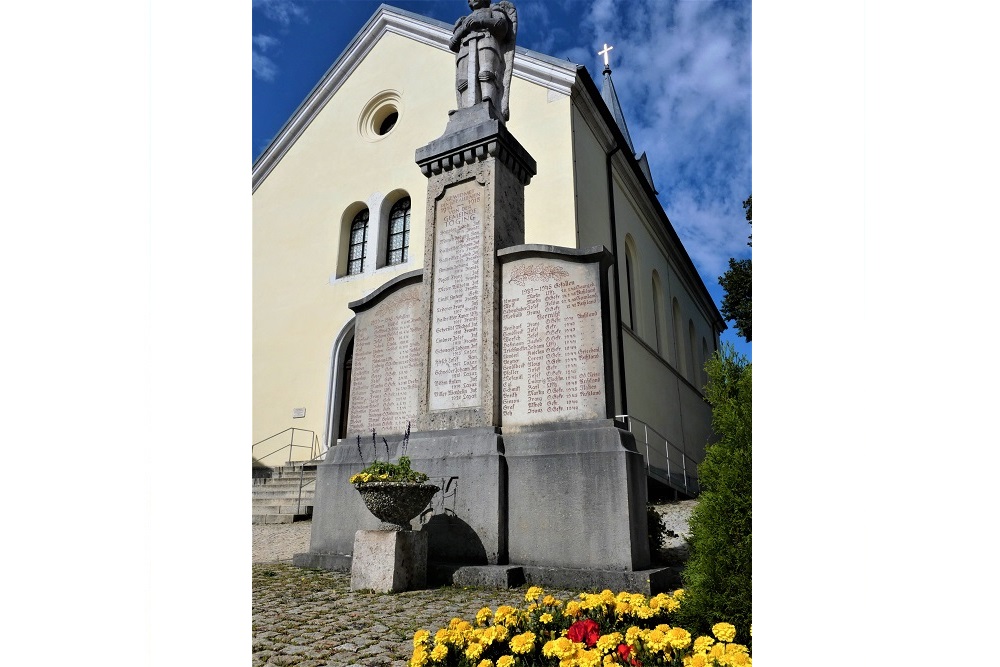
(576, 497)
(465, 522)
(389, 561)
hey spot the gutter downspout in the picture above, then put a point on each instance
(618, 290)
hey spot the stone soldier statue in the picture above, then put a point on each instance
(484, 42)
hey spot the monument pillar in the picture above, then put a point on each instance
(475, 207)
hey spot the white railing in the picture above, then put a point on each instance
(665, 461)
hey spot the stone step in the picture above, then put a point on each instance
(280, 518)
(287, 483)
(264, 492)
(266, 508)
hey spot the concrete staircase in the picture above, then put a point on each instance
(276, 493)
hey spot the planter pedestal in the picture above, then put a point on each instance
(389, 561)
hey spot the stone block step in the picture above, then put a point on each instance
(280, 518)
(282, 493)
(281, 509)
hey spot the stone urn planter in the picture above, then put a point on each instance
(396, 503)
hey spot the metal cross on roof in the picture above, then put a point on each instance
(605, 54)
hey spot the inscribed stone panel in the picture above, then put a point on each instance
(457, 298)
(552, 343)
(385, 378)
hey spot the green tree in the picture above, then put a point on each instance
(717, 577)
(737, 283)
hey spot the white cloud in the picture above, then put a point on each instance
(264, 42)
(682, 72)
(281, 11)
(264, 67)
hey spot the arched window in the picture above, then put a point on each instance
(680, 358)
(356, 248)
(345, 389)
(660, 323)
(704, 360)
(691, 350)
(633, 316)
(398, 246)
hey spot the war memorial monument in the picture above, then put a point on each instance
(498, 354)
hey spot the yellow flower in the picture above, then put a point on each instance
(485, 663)
(609, 660)
(420, 638)
(679, 594)
(608, 643)
(698, 660)
(733, 649)
(522, 643)
(533, 593)
(724, 632)
(607, 597)
(545, 618)
(656, 640)
(558, 648)
(420, 657)
(622, 608)
(631, 634)
(504, 615)
(483, 615)
(702, 644)
(473, 651)
(679, 638)
(505, 661)
(549, 601)
(572, 608)
(441, 636)
(439, 653)
(586, 658)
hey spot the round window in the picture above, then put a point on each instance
(380, 115)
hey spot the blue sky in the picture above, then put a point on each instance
(682, 70)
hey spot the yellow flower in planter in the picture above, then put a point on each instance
(550, 601)
(420, 638)
(441, 636)
(439, 653)
(631, 635)
(724, 632)
(698, 660)
(505, 661)
(572, 608)
(534, 592)
(483, 616)
(588, 658)
(485, 663)
(545, 618)
(522, 643)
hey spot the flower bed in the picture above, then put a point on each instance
(595, 630)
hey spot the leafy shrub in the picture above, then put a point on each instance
(386, 471)
(717, 577)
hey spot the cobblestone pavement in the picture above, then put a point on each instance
(311, 618)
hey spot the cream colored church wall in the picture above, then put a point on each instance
(303, 209)
(658, 391)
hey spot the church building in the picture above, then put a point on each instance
(338, 211)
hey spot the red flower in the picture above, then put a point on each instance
(585, 631)
(624, 651)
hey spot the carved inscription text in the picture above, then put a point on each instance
(457, 300)
(552, 343)
(385, 377)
